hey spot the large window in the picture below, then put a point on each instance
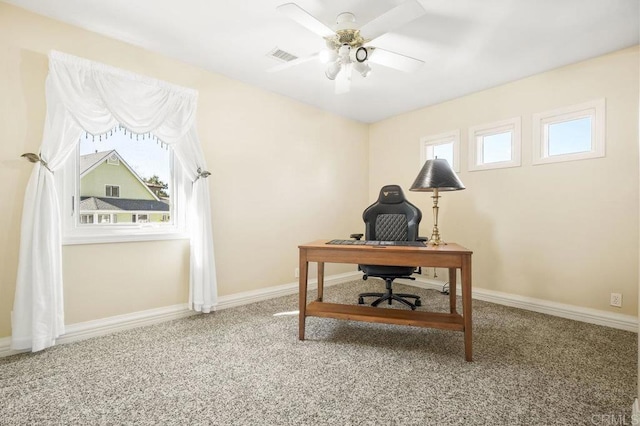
(495, 145)
(121, 187)
(572, 133)
(443, 145)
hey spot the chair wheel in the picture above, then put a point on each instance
(360, 301)
(418, 302)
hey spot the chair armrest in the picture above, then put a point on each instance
(356, 236)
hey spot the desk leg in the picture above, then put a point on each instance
(320, 281)
(466, 306)
(302, 282)
(453, 276)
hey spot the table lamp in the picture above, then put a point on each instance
(436, 175)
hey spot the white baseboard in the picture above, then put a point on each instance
(592, 316)
(5, 347)
(588, 315)
(100, 327)
(103, 326)
(246, 297)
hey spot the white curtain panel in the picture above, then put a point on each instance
(85, 96)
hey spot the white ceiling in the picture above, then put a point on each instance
(467, 45)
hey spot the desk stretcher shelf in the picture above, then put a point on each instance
(388, 316)
(451, 256)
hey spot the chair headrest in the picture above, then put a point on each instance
(391, 194)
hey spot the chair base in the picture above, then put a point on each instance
(390, 296)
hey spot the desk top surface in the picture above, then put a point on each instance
(446, 248)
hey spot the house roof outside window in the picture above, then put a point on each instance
(94, 202)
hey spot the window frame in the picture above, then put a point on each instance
(596, 110)
(135, 217)
(74, 232)
(108, 215)
(92, 216)
(513, 125)
(428, 142)
(106, 190)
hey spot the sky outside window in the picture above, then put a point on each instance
(145, 156)
(444, 151)
(569, 137)
(496, 148)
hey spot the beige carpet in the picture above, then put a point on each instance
(245, 366)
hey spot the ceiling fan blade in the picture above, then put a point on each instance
(343, 79)
(399, 15)
(394, 60)
(305, 19)
(293, 63)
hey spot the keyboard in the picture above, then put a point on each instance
(378, 243)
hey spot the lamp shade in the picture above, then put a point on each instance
(437, 174)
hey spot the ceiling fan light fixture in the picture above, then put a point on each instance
(332, 70)
(360, 54)
(362, 67)
(347, 18)
(344, 51)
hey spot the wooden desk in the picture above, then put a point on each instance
(451, 256)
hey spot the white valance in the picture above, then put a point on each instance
(85, 96)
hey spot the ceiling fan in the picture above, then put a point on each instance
(347, 47)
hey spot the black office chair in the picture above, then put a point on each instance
(391, 218)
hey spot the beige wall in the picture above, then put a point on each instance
(563, 232)
(283, 173)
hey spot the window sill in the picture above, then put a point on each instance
(93, 238)
(576, 156)
(496, 165)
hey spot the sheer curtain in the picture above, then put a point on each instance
(85, 96)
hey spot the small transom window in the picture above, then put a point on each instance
(444, 145)
(571, 133)
(495, 145)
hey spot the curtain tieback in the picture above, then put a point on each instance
(36, 158)
(202, 174)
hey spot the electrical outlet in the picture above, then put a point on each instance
(616, 300)
(296, 272)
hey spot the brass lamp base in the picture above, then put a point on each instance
(435, 240)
